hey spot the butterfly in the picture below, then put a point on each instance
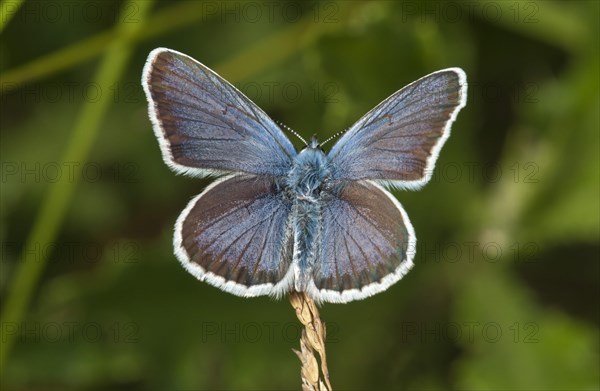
(278, 220)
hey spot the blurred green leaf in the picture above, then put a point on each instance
(517, 345)
(47, 223)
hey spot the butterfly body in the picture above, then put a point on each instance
(279, 220)
(307, 182)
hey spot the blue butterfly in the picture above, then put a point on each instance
(279, 220)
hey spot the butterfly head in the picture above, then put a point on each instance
(314, 143)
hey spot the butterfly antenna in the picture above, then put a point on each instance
(293, 132)
(335, 135)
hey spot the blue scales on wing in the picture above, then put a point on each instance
(367, 243)
(236, 235)
(205, 125)
(397, 142)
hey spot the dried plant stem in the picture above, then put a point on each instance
(312, 340)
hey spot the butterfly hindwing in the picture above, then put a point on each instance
(397, 142)
(367, 243)
(236, 235)
(205, 125)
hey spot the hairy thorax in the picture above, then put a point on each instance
(309, 174)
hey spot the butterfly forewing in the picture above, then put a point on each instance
(205, 125)
(398, 142)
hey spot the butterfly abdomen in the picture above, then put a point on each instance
(306, 225)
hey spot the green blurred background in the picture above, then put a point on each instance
(504, 294)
